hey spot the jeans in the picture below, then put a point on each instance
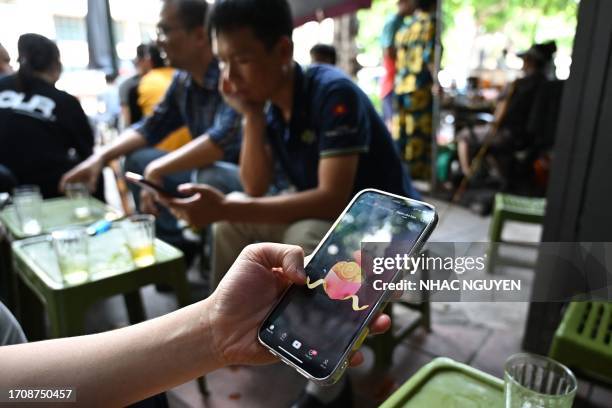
(221, 175)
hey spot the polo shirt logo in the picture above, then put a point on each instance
(339, 109)
(308, 137)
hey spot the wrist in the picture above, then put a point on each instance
(214, 331)
(254, 117)
(152, 173)
(235, 209)
(99, 157)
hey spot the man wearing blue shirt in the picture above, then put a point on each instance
(317, 124)
(320, 127)
(193, 100)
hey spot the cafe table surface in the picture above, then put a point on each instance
(444, 382)
(112, 272)
(56, 213)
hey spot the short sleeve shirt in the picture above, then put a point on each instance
(201, 108)
(10, 331)
(331, 116)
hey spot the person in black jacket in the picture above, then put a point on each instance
(43, 131)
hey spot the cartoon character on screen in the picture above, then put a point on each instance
(342, 282)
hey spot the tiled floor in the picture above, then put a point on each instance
(482, 335)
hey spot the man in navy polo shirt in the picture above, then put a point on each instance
(317, 124)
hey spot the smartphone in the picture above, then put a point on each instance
(314, 327)
(152, 187)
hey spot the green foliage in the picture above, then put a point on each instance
(518, 19)
(497, 15)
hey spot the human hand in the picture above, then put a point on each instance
(237, 101)
(148, 198)
(256, 280)
(87, 172)
(205, 205)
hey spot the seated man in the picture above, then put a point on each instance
(318, 125)
(510, 131)
(323, 54)
(193, 100)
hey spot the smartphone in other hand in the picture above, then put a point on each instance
(152, 187)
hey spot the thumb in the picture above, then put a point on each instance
(285, 260)
(190, 188)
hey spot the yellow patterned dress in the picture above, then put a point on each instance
(412, 122)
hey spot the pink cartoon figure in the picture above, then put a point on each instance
(343, 281)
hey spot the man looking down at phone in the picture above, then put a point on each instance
(193, 100)
(320, 127)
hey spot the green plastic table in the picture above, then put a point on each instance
(56, 213)
(446, 383)
(112, 272)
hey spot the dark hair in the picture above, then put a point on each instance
(37, 53)
(191, 12)
(153, 52)
(141, 51)
(270, 20)
(324, 53)
(540, 54)
(426, 4)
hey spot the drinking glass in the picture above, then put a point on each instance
(533, 381)
(78, 193)
(72, 250)
(139, 231)
(28, 206)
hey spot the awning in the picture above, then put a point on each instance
(304, 11)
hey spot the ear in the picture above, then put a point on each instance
(284, 48)
(201, 34)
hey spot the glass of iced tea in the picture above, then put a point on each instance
(28, 206)
(79, 195)
(139, 231)
(72, 250)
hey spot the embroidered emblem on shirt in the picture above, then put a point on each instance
(340, 109)
(308, 137)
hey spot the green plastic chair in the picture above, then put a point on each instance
(583, 340)
(510, 207)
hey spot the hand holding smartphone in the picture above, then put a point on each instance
(152, 187)
(314, 327)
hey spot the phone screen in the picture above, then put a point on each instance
(313, 325)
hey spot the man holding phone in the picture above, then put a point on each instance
(319, 126)
(193, 100)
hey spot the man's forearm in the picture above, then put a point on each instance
(119, 367)
(255, 161)
(127, 142)
(286, 208)
(198, 153)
